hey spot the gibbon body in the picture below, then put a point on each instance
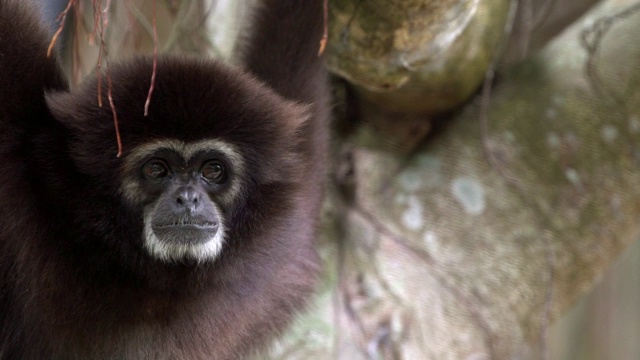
(199, 241)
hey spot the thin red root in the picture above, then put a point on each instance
(325, 33)
(155, 62)
(62, 17)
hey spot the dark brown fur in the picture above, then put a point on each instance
(75, 282)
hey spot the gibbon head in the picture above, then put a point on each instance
(215, 160)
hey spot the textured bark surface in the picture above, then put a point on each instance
(428, 57)
(538, 21)
(471, 246)
(415, 56)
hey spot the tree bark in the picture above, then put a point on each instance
(470, 246)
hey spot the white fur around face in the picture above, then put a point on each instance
(131, 190)
(176, 251)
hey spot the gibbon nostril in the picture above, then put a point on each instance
(187, 197)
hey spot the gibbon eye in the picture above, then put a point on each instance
(155, 169)
(213, 171)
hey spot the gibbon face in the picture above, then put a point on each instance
(183, 188)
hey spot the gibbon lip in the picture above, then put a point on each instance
(187, 225)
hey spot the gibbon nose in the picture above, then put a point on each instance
(187, 199)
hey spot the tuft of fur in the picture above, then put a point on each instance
(76, 281)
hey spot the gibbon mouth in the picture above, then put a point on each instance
(185, 232)
(186, 225)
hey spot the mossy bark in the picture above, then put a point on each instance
(415, 56)
(469, 247)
